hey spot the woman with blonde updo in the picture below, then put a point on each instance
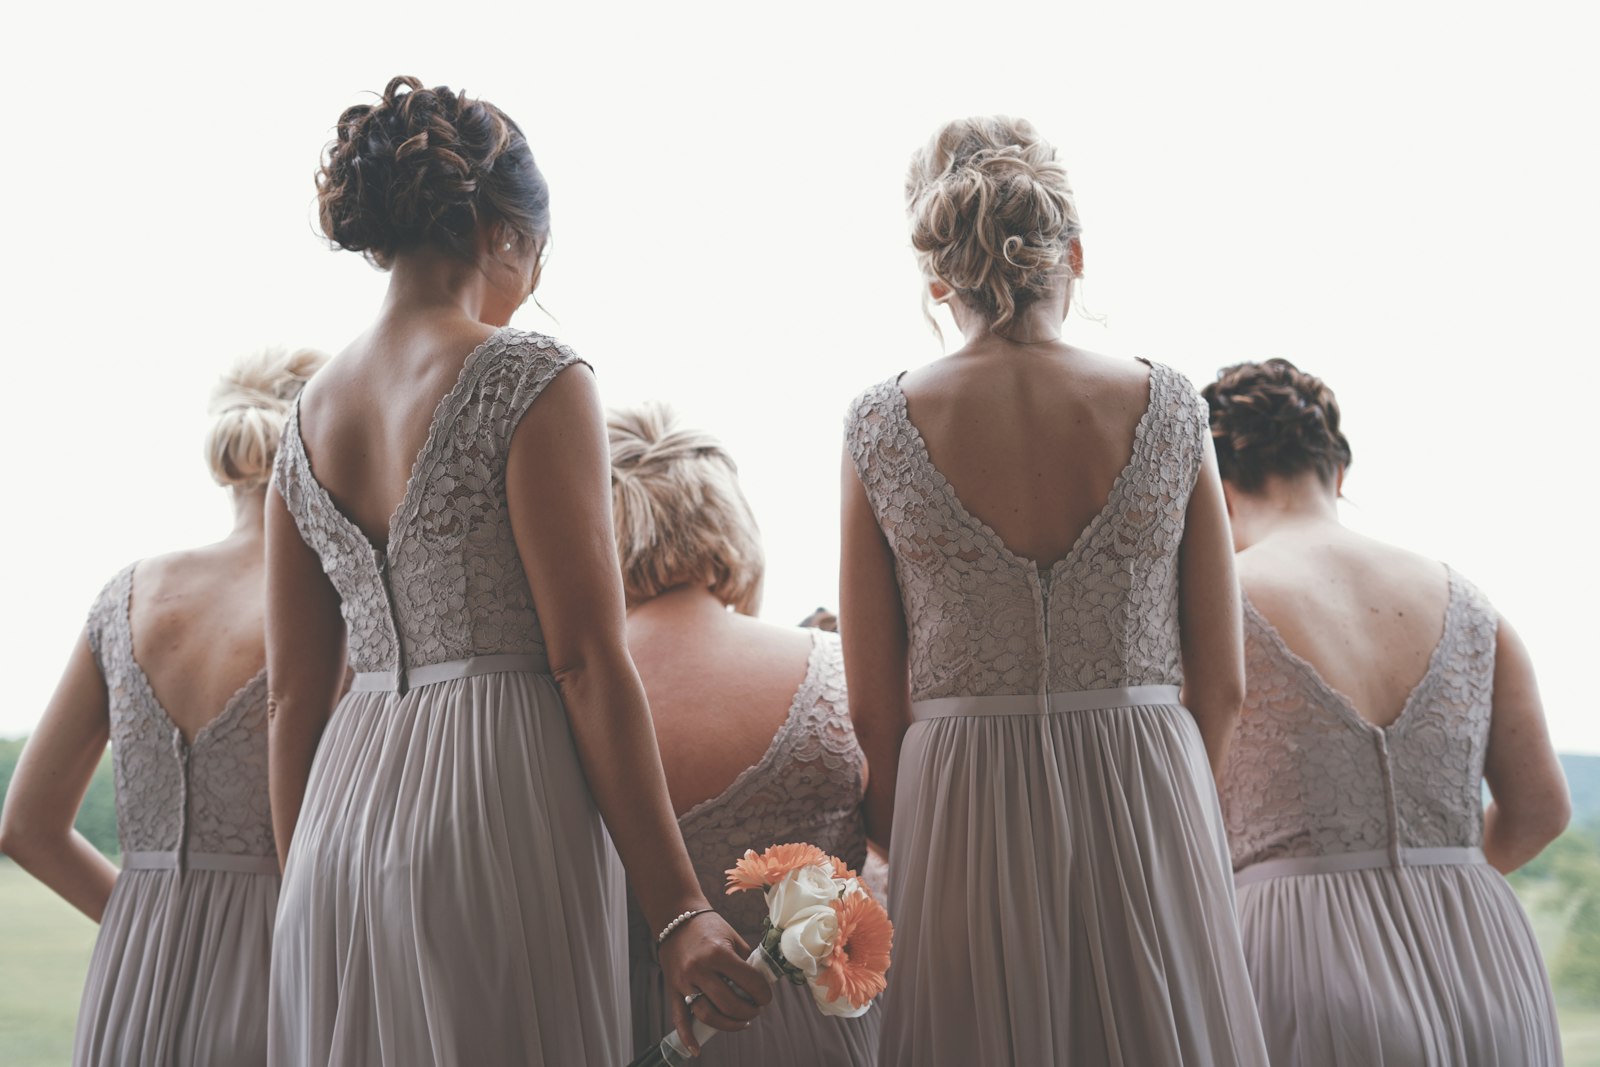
(170, 669)
(441, 516)
(1384, 691)
(751, 717)
(1041, 631)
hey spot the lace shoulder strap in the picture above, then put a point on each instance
(511, 380)
(1474, 635)
(878, 446)
(107, 625)
(1181, 425)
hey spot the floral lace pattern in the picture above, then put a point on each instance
(1308, 776)
(983, 621)
(808, 786)
(206, 796)
(449, 584)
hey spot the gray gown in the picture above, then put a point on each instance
(1058, 870)
(1376, 934)
(451, 896)
(179, 970)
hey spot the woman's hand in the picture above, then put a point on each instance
(706, 956)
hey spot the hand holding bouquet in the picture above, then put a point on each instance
(823, 930)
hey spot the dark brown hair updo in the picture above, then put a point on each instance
(427, 166)
(1274, 418)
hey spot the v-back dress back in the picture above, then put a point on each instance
(451, 896)
(808, 786)
(179, 970)
(1375, 932)
(1058, 876)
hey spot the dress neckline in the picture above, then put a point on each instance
(230, 706)
(925, 459)
(1345, 706)
(770, 756)
(444, 415)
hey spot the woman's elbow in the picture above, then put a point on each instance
(17, 839)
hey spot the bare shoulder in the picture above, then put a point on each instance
(1279, 573)
(1059, 372)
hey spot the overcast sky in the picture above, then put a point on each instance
(1401, 197)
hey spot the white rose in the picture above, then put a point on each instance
(841, 1008)
(805, 888)
(850, 887)
(808, 938)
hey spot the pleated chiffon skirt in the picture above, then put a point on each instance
(178, 976)
(789, 1032)
(1059, 884)
(1427, 966)
(451, 897)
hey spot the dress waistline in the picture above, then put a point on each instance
(1132, 696)
(434, 673)
(199, 861)
(1357, 861)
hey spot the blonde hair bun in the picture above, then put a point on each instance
(992, 213)
(680, 517)
(251, 403)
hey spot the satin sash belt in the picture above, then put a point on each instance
(433, 673)
(1357, 861)
(199, 861)
(1044, 703)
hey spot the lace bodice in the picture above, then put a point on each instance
(985, 622)
(808, 787)
(1308, 776)
(450, 584)
(172, 796)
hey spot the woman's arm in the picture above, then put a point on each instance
(1530, 806)
(873, 630)
(1210, 618)
(559, 493)
(48, 786)
(305, 665)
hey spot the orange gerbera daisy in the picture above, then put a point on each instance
(769, 868)
(841, 871)
(860, 957)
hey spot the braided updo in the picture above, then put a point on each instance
(251, 403)
(992, 214)
(1274, 418)
(680, 517)
(427, 166)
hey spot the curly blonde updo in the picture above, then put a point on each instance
(679, 515)
(251, 403)
(992, 214)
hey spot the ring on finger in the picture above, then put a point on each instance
(689, 1000)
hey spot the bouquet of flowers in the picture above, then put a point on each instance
(823, 930)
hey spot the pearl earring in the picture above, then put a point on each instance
(508, 246)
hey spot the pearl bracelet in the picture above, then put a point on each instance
(666, 931)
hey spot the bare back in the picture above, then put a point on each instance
(720, 686)
(198, 627)
(1031, 439)
(1366, 615)
(368, 415)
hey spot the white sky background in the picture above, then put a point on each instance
(1401, 197)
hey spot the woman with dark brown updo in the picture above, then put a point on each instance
(1383, 690)
(441, 515)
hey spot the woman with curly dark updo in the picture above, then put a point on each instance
(440, 515)
(1383, 690)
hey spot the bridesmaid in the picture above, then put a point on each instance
(441, 515)
(784, 765)
(170, 670)
(1384, 690)
(1036, 556)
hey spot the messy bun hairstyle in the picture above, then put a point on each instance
(251, 403)
(1274, 418)
(427, 166)
(992, 214)
(679, 514)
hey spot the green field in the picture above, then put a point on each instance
(47, 943)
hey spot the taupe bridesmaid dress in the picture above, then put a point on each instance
(1375, 932)
(808, 787)
(1058, 870)
(451, 896)
(179, 971)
